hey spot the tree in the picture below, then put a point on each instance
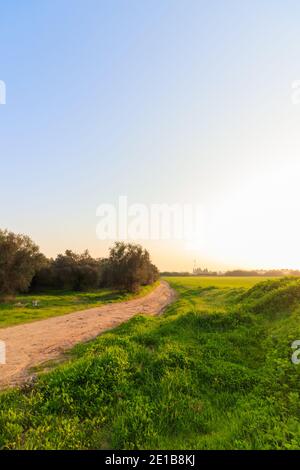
(20, 258)
(69, 271)
(129, 267)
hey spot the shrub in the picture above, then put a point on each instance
(20, 258)
(69, 271)
(129, 267)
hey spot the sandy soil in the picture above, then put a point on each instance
(35, 343)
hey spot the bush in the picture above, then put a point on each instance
(129, 267)
(20, 258)
(70, 271)
(22, 266)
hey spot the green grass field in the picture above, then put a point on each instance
(213, 372)
(54, 303)
(215, 281)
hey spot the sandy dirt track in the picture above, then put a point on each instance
(35, 343)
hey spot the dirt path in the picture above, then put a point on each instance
(34, 343)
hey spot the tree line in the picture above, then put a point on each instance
(23, 267)
(234, 273)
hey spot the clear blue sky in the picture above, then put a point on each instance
(161, 100)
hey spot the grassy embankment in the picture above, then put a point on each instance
(214, 372)
(20, 309)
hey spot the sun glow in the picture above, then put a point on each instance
(258, 225)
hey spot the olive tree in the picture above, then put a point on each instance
(19, 260)
(129, 267)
